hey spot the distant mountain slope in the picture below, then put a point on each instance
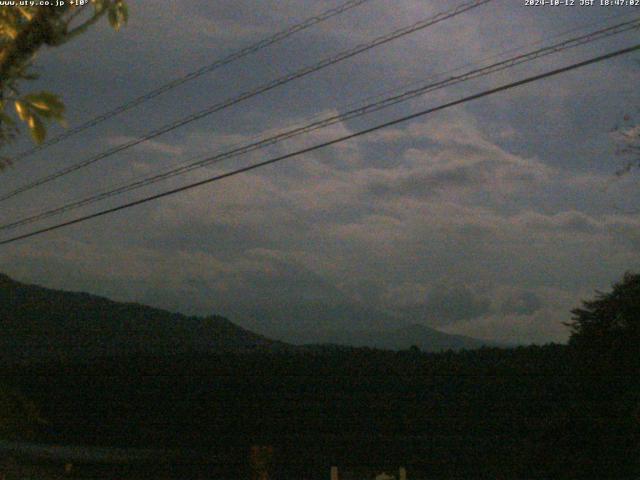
(37, 322)
(425, 338)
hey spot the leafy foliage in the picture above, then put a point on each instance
(610, 322)
(605, 338)
(23, 31)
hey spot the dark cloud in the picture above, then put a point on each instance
(447, 304)
(569, 222)
(425, 184)
(521, 303)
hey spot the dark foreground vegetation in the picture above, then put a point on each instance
(557, 411)
(523, 413)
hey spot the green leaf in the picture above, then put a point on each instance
(113, 18)
(124, 11)
(26, 12)
(99, 5)
(48, 97)
(22, 110)
(46, 104)
(38, 131)
(118, 14)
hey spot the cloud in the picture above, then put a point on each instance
(626, 231)
(523, 316)
(521, 303)
(562, 222)
(149, 145)
(307, 231)
(541, 327)
(438, 304)
(425, 184)
(489, 219)
(450, 155)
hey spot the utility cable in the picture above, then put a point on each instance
(370, 108)
(319, 146)
(252, 93)
(232, 57)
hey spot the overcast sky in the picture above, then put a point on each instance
(491, 219)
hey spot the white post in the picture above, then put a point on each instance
(403, 474)
(334, 473)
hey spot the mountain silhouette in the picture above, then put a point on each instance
(41, 323)
(37, 322)
(400, 338)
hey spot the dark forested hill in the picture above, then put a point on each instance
(527, 412)
(37, 322)
(204, 385)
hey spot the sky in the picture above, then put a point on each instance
(492, 219)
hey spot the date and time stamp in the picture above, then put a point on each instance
(581, 3)
(526, 3)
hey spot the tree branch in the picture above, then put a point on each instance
(37, 32)
(84, 26)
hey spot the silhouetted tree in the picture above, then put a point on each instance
(605, 338)
(24, 30)
(609, 325)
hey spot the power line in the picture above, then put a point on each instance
(326, 144)
(252, 93)
(354, 113)
(490, 57)
(265, 42)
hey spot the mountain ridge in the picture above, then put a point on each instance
(400, 338)
(38, 322)
(42, 322)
